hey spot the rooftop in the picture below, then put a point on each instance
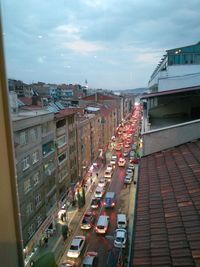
(167, 227)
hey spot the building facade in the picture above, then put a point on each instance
(179, 68)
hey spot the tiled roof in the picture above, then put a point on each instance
(65, 112)
(167, 227)
(98, 96)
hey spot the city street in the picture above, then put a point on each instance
(103, 244)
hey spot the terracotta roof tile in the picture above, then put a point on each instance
(167, 223)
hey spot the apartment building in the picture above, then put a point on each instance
(66, 152)
(34, 135)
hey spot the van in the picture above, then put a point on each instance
(110, 200)
(102, 224)
(121, 221)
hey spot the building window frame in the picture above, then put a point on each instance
(23, 138)
(60, 156)
(25, 163)
(59, 141)
(35, 157)
(36, 178)
(27, 185)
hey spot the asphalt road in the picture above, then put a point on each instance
(103, 244)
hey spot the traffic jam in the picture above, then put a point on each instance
(102, 236)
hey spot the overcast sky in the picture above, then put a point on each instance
(114, 44)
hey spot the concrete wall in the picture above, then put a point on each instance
(157, 140)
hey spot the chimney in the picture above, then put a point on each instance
(96, 97)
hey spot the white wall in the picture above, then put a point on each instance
(177, 76)
(168, 137)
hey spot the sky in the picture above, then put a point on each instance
(113, 44)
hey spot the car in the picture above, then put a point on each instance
(117, 147)
(125, 153)
(76, 246)
(127, 145)
(88, 220)
(121, 162)
(96, 202)
(67, 263)
(128, 179)
(129, 172)
(99, 192)
(120, 238)
(131, 166)
(90, 259)
(109, 167)
(134, 160)
(102, 182)
(108, 174)
(113, 159)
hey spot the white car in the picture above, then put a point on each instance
(109, 167)
(108, 174)
(129, 172)
(113, 159)
(76, 247)
(120, 238)
(102, 182)
(131, 166)
(99, 192)
(128, 179)
(90, 259)
(121, 162)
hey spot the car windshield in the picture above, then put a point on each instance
(73, 247)
(120, 239)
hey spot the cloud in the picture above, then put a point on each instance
(69, 29)
(84, 47)
(41, 59)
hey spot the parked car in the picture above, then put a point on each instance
(131, 166)
(128, 179)
(87, 220)
(120, 238)
(76, 246)
(129, 172)
(96, 202)
(90, 259)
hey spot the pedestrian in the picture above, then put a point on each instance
(46, 241)
(64, 216)
(91, 180)
(97, 174)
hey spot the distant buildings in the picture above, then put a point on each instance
(54, 149)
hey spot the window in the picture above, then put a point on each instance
(62, 174)
(31, 230)
(33, 134)
(29, 208)
(61, 141)
(25, 163)
(35, 157)
(197, 59)
(23, 138)
(60, 123)
(27, 185)
(38, 200)
(48, 148)
(62, 158)
(36, 178)
(49, 167)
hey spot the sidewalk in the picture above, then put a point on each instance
(55, 242)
